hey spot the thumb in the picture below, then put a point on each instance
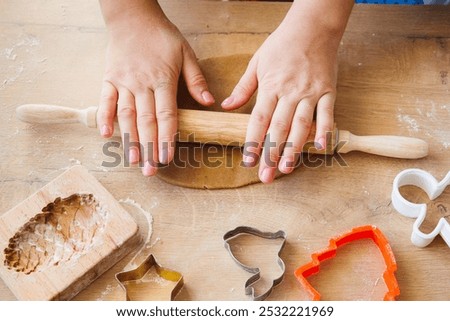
(244, 89)
(195, 81)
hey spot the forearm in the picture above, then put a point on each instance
(117, 13)
(320, 16)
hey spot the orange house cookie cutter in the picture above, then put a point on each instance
(358, 233)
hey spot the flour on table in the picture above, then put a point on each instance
(428, 127)
(146, 245)
(147, 215)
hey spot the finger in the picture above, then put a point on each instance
(300, 129)
(324, 119)
(107, 109)
(126, 115)
(166, 117)
(277, 134)
(257, 127)
(147, 131)
(244, 89)
(195, 81)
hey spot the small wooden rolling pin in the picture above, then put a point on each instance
(222, 128)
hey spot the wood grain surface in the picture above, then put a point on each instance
(394, 66)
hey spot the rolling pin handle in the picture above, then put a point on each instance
(51, 114)
(390, 146)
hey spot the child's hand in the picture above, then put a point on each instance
(145, 56)
(295, 71)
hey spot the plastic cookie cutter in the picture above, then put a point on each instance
(136, 279)
(249, 289)
(358, 233)
(433, 188)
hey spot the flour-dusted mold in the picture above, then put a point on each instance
(66, 229)
(57, 241)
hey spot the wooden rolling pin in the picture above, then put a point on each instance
(222, 128)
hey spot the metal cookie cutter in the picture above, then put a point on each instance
(139, 272)
(433, 188)
(358, 233)
(249, 290)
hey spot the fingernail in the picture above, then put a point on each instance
(321, 144)
(163, 155)
(105, 131)
(248, 161)
(227, 102)
(148, 170)
(266, 176)
(283, 165)
(133, 155)
(207, 97)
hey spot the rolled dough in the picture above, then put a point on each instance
(222, 169)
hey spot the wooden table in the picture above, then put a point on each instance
(393, 79)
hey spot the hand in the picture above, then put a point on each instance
(144, 59)
(295, 71)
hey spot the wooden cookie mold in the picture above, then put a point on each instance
(60, 239)
(65, 229)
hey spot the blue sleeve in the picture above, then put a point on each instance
(437, 2)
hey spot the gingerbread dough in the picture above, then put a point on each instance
(208, 166)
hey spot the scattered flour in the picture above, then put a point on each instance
(27, 41)
(15, 74)
(9, 54)
(74, 161)
(153, 243)
(413, 125)
(430, 111)
(147, 215)
(146, 245)
(15, 70)
(109, 288)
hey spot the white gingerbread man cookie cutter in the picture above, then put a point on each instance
(433, 188)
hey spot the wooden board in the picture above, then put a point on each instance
(393, 80)
(68, 248)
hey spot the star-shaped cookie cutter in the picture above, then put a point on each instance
(358, 233)
(139, 272)
(433, 188)
(249, 290)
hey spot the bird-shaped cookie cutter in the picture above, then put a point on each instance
(249, 290)
(139, 272)
(433, 188)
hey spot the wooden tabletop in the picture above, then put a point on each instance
(393, 79)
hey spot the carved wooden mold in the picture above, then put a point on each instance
(65, 229)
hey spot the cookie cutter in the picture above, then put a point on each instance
(433, 188)
(358, 233)
(249, 290)
(139, 272)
